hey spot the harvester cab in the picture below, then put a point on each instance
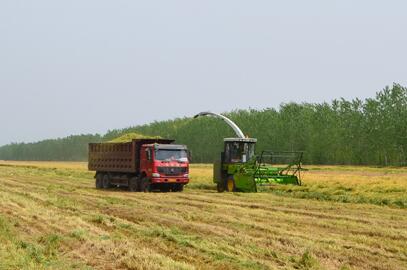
(239, 169)
(237, 153)
(238, 150)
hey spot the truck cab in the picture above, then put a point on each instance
(141, 164)
(165, 165)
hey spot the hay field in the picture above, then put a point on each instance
(52, 217)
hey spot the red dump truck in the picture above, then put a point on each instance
(140, 165)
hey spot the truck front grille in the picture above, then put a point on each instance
(172, 170)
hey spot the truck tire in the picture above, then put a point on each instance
(230, 184)
(145, 185)
(133, 184)
(177, 188)
(106, 181)
(165, 188)
(99, 181)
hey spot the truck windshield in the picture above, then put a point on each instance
(171, 154)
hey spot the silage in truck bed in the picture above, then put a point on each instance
(128, 137)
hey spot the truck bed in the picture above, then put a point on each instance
(118, 157)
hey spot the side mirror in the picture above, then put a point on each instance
(148, 154)
(189, 155)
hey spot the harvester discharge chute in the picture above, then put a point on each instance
(239, 169)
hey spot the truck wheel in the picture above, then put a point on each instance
(99, 181)
(230, 184)
(133, 184)
(145, 185)
(165, 188)
(139, 184)
(177, 188)
(180, 188)
(106, 181)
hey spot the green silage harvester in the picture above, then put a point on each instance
(240, 169)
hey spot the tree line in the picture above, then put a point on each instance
(361, 132)
(72, 148)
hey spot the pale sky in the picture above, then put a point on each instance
(70, 67)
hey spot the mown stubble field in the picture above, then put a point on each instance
(52, 217)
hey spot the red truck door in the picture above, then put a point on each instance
(146, 163)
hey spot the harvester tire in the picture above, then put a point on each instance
(220, 187)
(230, 184)
(145, 185)
(99, 181)
(106, 181)
(133, 184)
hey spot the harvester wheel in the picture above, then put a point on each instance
(99, 181)
(230, 184)
(145, 185)
(106, 181)
(133, 184)
(220, 186)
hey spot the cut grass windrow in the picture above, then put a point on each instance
(52, 217)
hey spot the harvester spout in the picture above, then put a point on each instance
(235, 128)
